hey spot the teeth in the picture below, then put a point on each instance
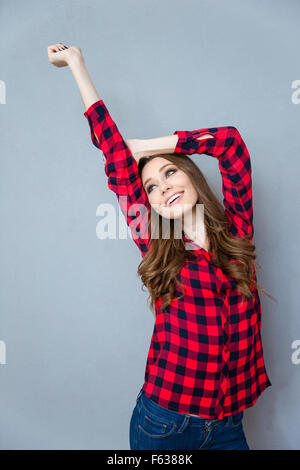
(173, 198)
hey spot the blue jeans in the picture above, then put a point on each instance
(155, 427)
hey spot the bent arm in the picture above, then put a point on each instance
(160, 145)
(226, 144)
(229, 148)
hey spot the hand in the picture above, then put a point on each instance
(60, 55)
(136, 147)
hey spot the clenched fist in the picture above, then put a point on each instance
(60, 55)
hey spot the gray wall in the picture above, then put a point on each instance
(74, 319)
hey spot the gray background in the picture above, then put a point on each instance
(74, 319)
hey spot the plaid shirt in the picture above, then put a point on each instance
(206, 355)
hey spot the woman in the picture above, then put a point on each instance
(205, 363)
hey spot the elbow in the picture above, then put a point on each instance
(234, 132)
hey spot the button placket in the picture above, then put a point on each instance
(225, 327)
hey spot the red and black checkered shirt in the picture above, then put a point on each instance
(206, 355)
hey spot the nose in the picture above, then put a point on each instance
(164, 189)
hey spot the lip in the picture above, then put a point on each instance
(177, 192)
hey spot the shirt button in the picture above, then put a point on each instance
(219, 277)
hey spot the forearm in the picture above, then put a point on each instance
(158, 145)
(86, 87)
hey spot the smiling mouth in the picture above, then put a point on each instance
(175, 200)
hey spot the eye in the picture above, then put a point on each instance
(166, 172)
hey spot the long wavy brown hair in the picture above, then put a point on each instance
(163, 261)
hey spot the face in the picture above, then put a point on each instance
(161, 179)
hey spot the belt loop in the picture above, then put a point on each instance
(230, 420)
(184, 423)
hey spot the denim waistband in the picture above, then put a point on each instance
(232, 419)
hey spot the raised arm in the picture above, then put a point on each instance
(120, 165)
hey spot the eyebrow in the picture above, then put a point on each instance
(161, 169)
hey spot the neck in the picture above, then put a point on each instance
(194, 226)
